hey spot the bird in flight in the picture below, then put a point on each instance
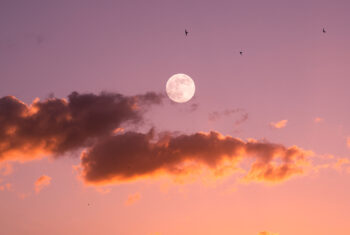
(241, 52)
(323, 30)
(186, 32)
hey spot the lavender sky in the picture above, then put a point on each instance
(289, 70)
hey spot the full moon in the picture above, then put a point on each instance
(180, 88)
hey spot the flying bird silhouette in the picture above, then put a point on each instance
(241, 52)
(186, 32)
(323, 30)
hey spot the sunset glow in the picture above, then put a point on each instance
(250, 137)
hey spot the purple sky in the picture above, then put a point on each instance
(289, 70)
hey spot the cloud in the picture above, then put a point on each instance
(318, 120)
(279, 124)
(340, 164)
(94, 124)
(56, 126)
(23, 195)
(41, 182)
(267, 233)
(103, 190)
(131, 156)
(216, 115)
(132, 198)
(5, 168)
(194, 107)
(7, 187)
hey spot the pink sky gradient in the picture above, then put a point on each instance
(289, 70)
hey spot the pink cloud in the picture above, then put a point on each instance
(279, 124)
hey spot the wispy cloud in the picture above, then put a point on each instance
(279, 124)
(6, 168)
(103, 190)
(318, 120)
(23, 195)
(41, 182)
(133, 198)
(242, 115)
(7, 186)
(267, 233)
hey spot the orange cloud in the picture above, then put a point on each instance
(41, 182)
(279, 124)
(341, 162)
(132, 156)
(132, 198)
(318, 120)
(118, 130)
(7, 187)
(23, 195)
(267, 233)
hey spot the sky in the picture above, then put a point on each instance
(91, 144)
